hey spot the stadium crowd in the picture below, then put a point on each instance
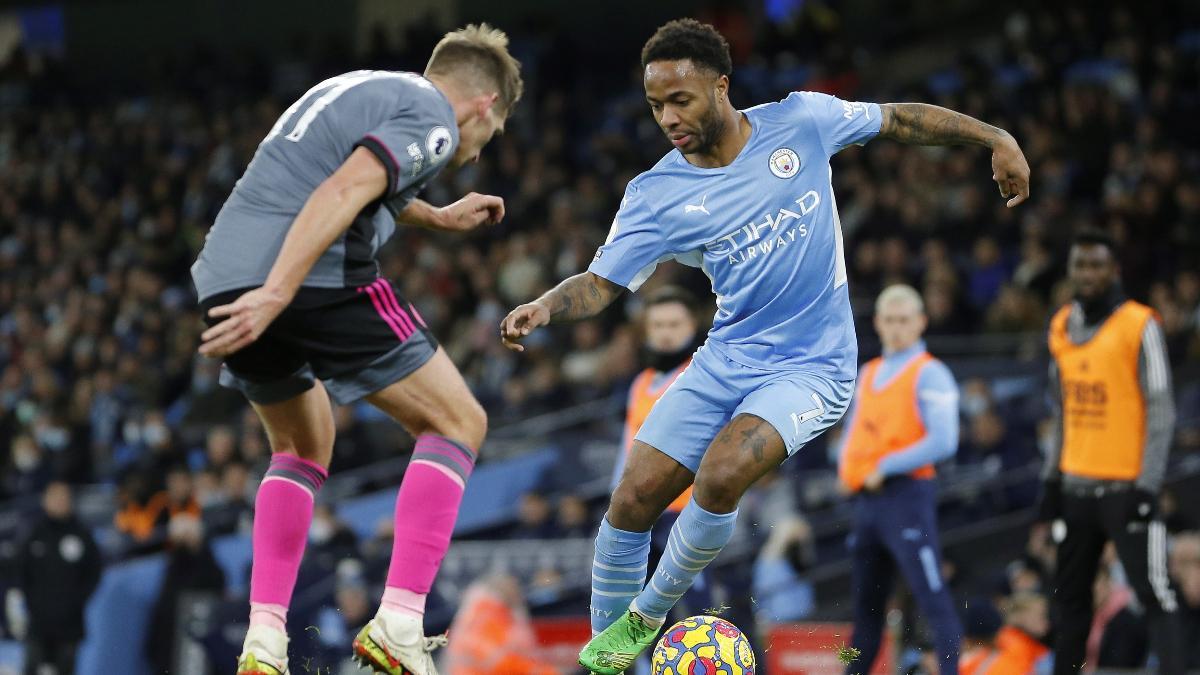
(104, 201)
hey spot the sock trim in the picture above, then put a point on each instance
(610, 594)
(305, 474)
(470, 454)
(284, 479)
(711, 552)
(442, 469)
(445, 464)
(621, 568)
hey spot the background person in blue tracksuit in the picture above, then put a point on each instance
(903, 420)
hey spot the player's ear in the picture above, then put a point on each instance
(485, 102)
(722, 87)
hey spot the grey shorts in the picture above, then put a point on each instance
(357, 341)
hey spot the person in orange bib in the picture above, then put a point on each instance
(671, 332)
(904, 419)
(1110, 381)
(1016, 649)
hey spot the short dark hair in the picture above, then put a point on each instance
(1093, 236)
(669, 294)
(689, 39)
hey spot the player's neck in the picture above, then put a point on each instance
(460, 102)
(728, 146)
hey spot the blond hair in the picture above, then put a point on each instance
(899, 293)
(477, 55)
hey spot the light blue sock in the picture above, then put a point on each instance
(618, 572)
(696, 538)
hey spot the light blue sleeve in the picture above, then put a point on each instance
(937, 399)
(838, 123)
(635, 244)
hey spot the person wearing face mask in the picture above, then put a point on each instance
(58, 567)
(1110, 381)
(904, 419)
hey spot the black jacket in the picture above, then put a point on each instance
(58, 567)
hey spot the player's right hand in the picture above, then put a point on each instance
(520, 322)
(246, 319)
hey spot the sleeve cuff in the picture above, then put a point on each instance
(386, 158)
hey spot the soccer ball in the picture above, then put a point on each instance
(703, 645)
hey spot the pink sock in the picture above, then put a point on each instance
(264, 614)
(403, 601)
(282, 514)
(426, 509)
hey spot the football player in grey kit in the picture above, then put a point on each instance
(296, 308)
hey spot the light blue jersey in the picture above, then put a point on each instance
(765, 230)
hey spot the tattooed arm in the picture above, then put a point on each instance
(577, 297)
(923, 124)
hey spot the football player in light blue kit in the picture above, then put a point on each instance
(745, 196)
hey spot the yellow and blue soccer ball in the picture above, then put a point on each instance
(703, 645)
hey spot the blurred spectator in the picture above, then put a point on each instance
(226, 508)
(1012, 645)
(191, 568)
(987, 273)
(573, 518)
(534, 518)
(337, 625)
(981, 623)
(781, 592)
(1185, 569)
(330, 539)
(30, 471)
(494, 615)
(976, 397)
(58, 567)
(1172, 516)
(220, 447)
(1118, 637)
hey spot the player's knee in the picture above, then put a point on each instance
(719, 490)
(474, 424)
(630, 508)
(466, 424)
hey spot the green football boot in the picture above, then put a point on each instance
(616, 647)
(248, 664)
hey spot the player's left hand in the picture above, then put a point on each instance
(472, 211)
(246, 319)
(1010, 171)
(874, 481)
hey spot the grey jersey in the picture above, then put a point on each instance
(400, 117)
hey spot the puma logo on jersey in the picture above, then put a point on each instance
(688, 208)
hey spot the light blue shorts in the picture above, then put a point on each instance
(714, 389)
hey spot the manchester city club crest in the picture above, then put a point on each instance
(784, 163)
